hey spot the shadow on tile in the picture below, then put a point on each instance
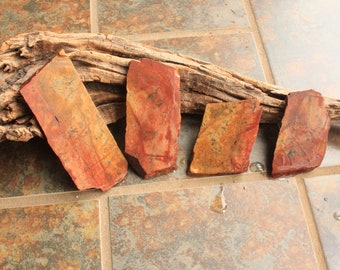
(31, 168)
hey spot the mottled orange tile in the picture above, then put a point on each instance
(62, 236)
(136, 17)
(235, 51)
(253, 225)
(31, 15)
(323, 193)
(31, 168)
(302, 39)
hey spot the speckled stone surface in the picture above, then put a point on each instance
(254, 225)
(62, 236)
(73, 126)
(153, 117)
(233, 51)
(303, 135)
(323, 193)
(22, 16)
(302, 39)
(152, 16)
(221, 146)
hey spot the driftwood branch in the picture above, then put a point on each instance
(102, 62)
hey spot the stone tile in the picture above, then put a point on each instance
(323, 193)
(301, 39)
(235, 51)
(31, 168)
(253, 225)
(152, 16)
(31, 15)
(62, 236)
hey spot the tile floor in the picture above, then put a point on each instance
(245, 221)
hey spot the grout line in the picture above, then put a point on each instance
(104, 221)
(311, 225)
(94, 16)
(187, 33)
(105, 235)
(148, 187)
(268, 73)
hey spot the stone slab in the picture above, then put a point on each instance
(73, 126)
(152, 117)
(226, 137)
(303, 135)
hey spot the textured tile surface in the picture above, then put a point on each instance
(135, 17)
(63, 236)
(301, 39)
(31, 168)
(323, 193)
(235, 51)
(31, 15)
(257, 225)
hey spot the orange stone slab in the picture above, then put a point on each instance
(303, 135)
(153, 117)
(226, 137)
(73, 126)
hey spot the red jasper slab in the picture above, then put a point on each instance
(73, 126)
(303, 135)
(152, 117)
(226, 137)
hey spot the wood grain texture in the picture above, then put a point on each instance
(105, 59)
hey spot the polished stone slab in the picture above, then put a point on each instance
(303, 136)
(221, 146)
(153, 117)
(251, 225)
(323, 193)
(73, 126)
(61, 236)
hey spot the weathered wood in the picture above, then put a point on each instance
(105, 59)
